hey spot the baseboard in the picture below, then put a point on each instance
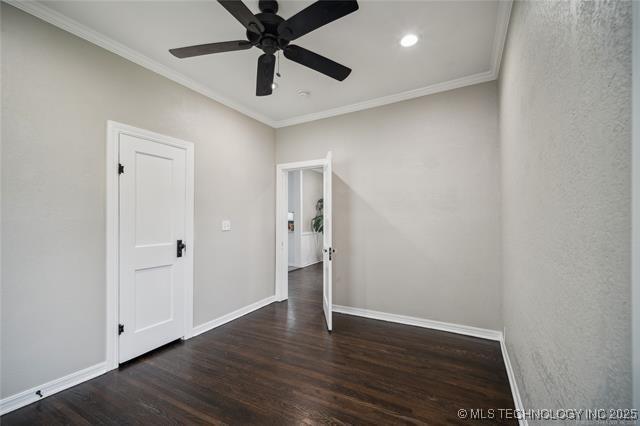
(482, 333)
(515, 393)
(307, 264)
(210, 325)
(452, 328)
(29, 396)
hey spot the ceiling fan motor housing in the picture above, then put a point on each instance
(269, 40)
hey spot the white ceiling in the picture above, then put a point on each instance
(460, 44)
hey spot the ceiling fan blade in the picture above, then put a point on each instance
(242, 13)
(206, 49)
(266, 67)
(316, 62)
(318, 14)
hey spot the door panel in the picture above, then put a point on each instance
(153, 206)
(327, 240)
(152, 219)
(153, 297)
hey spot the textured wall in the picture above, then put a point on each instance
(565, 141)
(58, 91)
(416, 204)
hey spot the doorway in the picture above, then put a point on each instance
(296, 240)
(305, 217)
(150, 184)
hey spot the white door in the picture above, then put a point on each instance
(152, 267)
(327, 240)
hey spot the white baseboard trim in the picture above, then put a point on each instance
(307, 264)
(29, 396)
(210, 325)
(467, 330)
(515, 393)
(452, 328)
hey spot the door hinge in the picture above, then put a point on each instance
(120, 329)
(120, 168)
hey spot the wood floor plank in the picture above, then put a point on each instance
(279, 365)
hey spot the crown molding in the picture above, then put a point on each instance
(59, 20)
(502, 24)
(391, 99)
(500, 36)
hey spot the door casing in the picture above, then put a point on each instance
(114, 130)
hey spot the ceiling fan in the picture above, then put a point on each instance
(271, 33)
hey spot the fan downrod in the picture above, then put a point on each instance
(268, 6)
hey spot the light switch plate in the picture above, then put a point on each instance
(226, 225)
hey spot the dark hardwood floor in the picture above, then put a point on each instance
(279, 365)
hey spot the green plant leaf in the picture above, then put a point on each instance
(317, 223)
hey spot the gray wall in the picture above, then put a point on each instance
(565, 141)
(58, 91)
(312, 188)
(416, 204)
(417, 199)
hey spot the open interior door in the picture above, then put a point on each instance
(327, 244)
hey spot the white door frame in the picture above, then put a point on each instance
(635, 205)
(114, 130)
(282, 237)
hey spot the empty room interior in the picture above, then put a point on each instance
(320, 212)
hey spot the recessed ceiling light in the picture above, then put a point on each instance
(274, 86)
(303, 93)
(409, 40)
